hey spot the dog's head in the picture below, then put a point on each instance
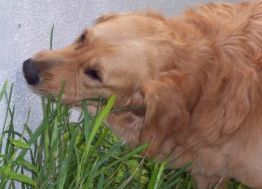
(122, 54)
(116, 56)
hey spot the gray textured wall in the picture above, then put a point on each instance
(25, 28)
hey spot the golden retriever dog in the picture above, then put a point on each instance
(197, 76)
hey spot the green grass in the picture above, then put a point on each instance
(84, 154)
(60, 154)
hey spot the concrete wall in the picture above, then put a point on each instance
(25, 29)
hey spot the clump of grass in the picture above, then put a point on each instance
(61, 154)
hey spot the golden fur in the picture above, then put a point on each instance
(198, 76)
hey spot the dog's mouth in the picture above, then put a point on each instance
(138, 110)
(93, 104)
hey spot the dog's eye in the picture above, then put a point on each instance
(82, 37)
(93, 74)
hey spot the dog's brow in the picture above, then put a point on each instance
(105, 18)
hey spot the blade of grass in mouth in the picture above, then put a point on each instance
(139, 109)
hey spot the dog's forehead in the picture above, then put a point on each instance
(119, 28)
(125, 27)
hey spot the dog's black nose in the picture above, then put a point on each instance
(31, 72)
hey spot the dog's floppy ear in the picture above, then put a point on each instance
(168, 100)
(225, 105)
